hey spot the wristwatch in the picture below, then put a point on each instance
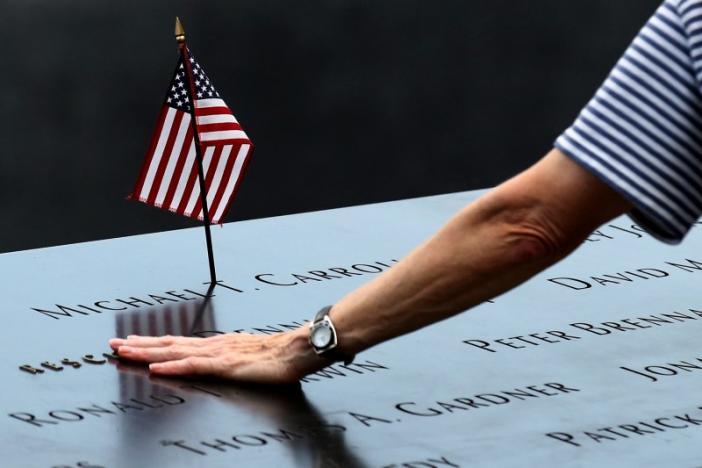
(323, 338)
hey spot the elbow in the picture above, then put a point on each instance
(515, 226)
(538, 237)
(528, 244)
(530, 233)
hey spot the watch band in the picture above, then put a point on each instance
(333, 354)
(323, 312)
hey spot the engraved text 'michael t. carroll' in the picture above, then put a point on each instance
(262, 280)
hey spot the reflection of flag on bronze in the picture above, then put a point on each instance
(182, 319)
(190, 318)
(169, 175)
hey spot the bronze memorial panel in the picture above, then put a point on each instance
(594, 362)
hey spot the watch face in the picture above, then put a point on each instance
(321, 336)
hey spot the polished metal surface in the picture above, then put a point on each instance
(591, 363)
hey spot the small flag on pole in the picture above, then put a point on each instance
(169, 176)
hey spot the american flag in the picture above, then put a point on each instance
(169, 176)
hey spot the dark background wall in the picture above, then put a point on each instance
(347, 101)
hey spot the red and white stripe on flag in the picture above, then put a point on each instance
(169, 175)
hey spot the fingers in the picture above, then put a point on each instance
(143, 341)
(115, 343)
(187, 366)
(154, 341)
(149, 341)
(156, 354)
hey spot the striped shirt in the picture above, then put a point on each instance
(642, 131)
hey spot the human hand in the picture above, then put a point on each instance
(272, 359)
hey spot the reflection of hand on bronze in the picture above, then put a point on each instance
(320, 443)
(313, 441)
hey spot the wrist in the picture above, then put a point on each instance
(348, 335)
(302, 355)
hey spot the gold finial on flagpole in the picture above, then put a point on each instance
(179, 31)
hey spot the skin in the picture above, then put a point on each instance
(508, 235)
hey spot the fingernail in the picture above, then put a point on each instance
(124, 349)
(132, 336)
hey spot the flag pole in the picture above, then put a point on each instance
(180, 38)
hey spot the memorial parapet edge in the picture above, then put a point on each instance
(594, 362)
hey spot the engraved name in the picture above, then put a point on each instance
(238, 442)
(462, 404)
(59, 311)
(579, 330)
(652, 373)
(613, 231)
(60, 416)
(628, 276)
(668, 423)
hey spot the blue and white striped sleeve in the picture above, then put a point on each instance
(642, 131)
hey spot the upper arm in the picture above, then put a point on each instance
(640, 133)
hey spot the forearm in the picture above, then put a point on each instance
(470, 260)
(494, 244)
